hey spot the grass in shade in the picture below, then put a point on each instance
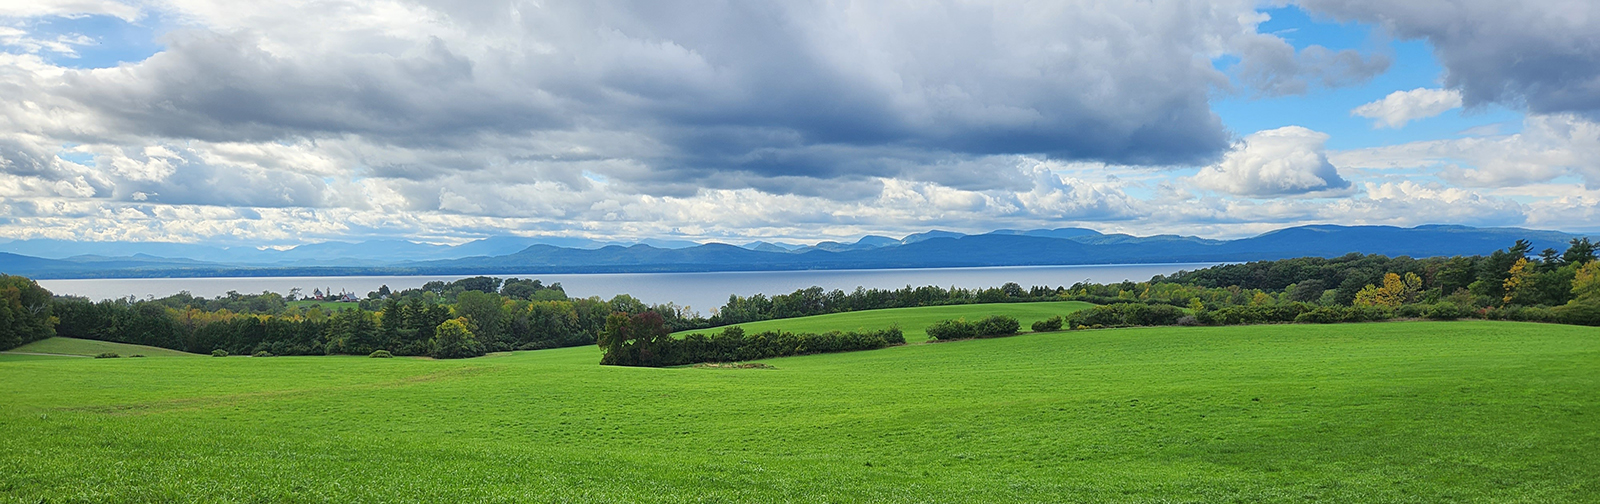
(1394, 412)
(912, 321)
(90, 348)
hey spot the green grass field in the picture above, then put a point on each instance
(330, 306)
(912, 321)
(1395, 412)
(90, 348)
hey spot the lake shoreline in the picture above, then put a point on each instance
(694, 289)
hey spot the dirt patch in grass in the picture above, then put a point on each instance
(733, 365)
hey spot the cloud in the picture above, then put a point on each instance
(1549, 147)
(261, 121)
(764, 89)
(65, 45)
(1535, 54)
(1284, 161)
(1401, 107)
(39, 8)
(1273, 68)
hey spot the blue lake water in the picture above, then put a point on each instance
(699, 291)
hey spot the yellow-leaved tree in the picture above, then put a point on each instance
(1396, 291)
(1586, 285)
(1519, 279)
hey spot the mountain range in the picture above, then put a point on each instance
(522, 255)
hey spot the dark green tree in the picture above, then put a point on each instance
(484, 311)
(1580, 252)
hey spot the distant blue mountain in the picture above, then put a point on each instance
(923, 250)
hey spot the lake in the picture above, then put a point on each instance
(699, 291)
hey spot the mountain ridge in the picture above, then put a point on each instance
(933, 249)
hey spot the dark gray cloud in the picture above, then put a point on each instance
(1544, 55)
(770, 89)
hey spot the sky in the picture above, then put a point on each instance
(280, 123)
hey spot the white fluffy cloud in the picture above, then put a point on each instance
(1285, 161)
(1548, 147)
(1402, 107)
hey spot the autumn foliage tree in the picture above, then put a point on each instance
(1396, 291)
(1518, 282)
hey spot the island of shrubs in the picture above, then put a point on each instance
(997, 325)
(645, 340)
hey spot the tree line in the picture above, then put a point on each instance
(1508, 284)
(464, 318)
(481, 314)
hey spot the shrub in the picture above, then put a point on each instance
(137, 355)
(1411, 311)
(261, 353)
(107, 355)
(1125, 314)
(1047, 325)
(952, 329)
(1257, 314)
(380, 354)
(219, 353)
(1323, 315)
(1578, 312)
(1445, 310)
(733, 345)
(997, 325)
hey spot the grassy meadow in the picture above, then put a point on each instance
(912, 321)
(90, 348)
(1391, 412)
(324, 305)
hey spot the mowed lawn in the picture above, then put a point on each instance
(90, 348)
(912, 321)
(1394, 412)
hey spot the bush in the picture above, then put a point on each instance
(1258, 314)
(998, 325)
(380, 354)
(107, 355)
(1579, 313)
(1323, 315)
(219, 353)
(261, 353)
(1445, 310)
(733, 345)
(1047, 325)
(1125, 314)
(945, 330)
(1411, 311)
(137, 355)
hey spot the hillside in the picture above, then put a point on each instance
(934, 249)
(912, 321)
(90, 348)
(1350, 413)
